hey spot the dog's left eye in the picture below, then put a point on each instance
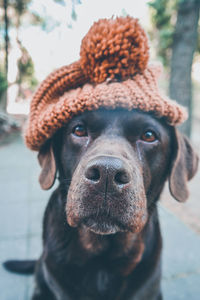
(149, 136)
(79, 130)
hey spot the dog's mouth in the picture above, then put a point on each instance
(103, 225)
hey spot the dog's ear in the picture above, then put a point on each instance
(48, 164)
(184, 167)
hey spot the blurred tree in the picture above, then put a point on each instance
(4, 73)
(26, 71)
(183, 48)
(163, 15)
(3, 87)
(176, 23)
(14, 10)
(6, 37)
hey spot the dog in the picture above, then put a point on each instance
(101, 233)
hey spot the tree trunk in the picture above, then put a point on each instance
(5, 4)
(184, 45)
(6, 38)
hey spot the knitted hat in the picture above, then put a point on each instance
(112, 72)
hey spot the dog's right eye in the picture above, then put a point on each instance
(79, 130)
(149, 136)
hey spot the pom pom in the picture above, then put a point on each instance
(114, 48)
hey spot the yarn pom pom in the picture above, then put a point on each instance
(114, 48)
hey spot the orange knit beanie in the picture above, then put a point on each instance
(112, 72)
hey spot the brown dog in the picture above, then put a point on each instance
(101, 231)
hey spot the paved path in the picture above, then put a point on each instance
(22, 205)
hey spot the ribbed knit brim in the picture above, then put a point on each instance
(94, 82)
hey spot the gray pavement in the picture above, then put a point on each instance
(22, 206)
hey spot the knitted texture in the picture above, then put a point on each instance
(114, 49)
(112, 72)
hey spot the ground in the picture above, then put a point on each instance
(22, 206)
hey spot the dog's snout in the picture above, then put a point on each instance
(107, 169)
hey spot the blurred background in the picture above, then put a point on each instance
(36, 37)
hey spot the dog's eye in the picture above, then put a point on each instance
(80, 130)
(149, 136)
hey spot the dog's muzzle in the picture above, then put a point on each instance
(104, 199)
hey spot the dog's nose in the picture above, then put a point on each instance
(107, 169)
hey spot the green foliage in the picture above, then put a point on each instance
(35, 19)
(3, 83)
(20, 5)
(61, 2)
(26, 70)
(198, 39)
(124, 12)
(74, 14)
(163, 15)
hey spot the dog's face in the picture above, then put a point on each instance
(117, 162)
(114, 159)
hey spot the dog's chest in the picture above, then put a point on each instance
(102, 281)
(99, 283)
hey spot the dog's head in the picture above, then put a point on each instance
(115, 163)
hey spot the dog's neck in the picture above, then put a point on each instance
(114, 248)
(121, 252)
